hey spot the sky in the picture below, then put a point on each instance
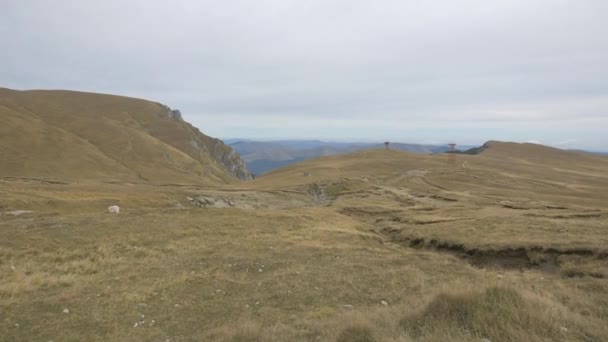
(415, 71)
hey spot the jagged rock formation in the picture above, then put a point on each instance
(176, 115)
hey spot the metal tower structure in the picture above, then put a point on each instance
(452, 153)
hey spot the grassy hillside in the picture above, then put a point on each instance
(73, 135)
(507, 245)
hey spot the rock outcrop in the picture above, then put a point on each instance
(200, 144)
(175, 115)
(226, 156)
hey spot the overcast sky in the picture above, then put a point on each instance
(409, 71)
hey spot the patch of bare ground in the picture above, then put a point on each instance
(537, 258)
(567, 216)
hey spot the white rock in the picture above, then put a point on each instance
(384, 302)
(564, 329)
(113, 209)
(66, 311)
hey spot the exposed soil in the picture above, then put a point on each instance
(518, 258)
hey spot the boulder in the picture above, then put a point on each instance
(114, 209)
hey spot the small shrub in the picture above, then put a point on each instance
(356, 334)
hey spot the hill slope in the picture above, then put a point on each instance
(76, 135)
(535, 170)
(371, 246)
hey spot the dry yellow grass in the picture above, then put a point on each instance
(69, 135)
(316, 258)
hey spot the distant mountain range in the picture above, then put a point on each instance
(264, 156)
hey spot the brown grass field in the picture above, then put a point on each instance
(508, 245)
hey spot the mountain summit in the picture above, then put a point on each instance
(85, 136)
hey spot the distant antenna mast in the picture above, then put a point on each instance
(452, 153)
(386, 143)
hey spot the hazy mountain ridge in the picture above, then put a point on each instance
(265, 156)
(76, 135)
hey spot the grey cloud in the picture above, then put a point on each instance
(470, 61)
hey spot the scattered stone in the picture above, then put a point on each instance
(346, 307)
(16, 325)
(257, 303)
(13, 268)
(486, 340)
(205, 202)
(114, 209)
(135, 325)
(176, 305)
(500, 276)
(66, 311)
(260, 270)
(564, 329)
(383, 302)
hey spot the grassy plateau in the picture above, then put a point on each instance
(507, 245)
